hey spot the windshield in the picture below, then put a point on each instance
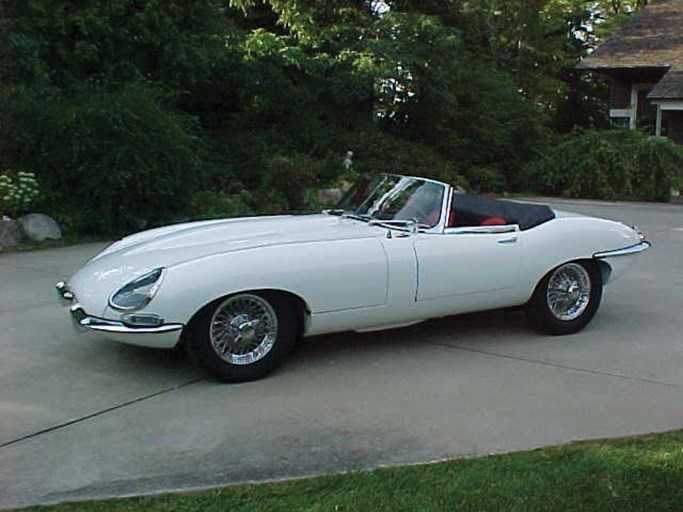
(388, 197)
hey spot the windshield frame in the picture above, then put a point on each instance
(439, 227)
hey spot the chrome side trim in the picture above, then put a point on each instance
(483, 230)
(625, 251)
(85, 322)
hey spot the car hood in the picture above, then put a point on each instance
(176, 244)
(173, 245)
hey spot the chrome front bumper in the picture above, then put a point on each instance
(161, 335)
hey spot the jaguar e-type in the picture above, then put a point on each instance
(397, 250)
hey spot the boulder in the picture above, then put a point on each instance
(39, 227)
(329, 196)
(10, 233)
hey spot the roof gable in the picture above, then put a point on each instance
(652, 38)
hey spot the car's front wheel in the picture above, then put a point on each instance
(566, 299)
(244, 336)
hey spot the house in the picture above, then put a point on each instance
(644, 62)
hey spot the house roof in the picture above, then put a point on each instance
(669, 87)
(652, 38)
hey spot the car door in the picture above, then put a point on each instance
(461, 262)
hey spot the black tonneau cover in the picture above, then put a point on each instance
(473, 210)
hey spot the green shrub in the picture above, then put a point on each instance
(18, 191)
(284, 182)
(377, 151)
(611, 164)
(486, 179)
(110, 159)
(207, 204)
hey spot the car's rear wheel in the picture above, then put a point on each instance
(244, 336)
(566, 299)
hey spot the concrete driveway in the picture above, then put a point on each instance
(81, 418)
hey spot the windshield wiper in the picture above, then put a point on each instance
(356, 216)
(339, 212)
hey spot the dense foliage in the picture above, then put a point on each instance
(611, 164)
(106, 158)
(132, 112)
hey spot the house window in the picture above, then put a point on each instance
(672, 125)
(620, 94)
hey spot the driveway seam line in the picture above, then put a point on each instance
(558, 365)
(98, 413)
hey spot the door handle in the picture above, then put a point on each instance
(511, 240)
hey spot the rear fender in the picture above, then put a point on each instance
(566, 239)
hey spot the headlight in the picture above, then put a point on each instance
(137, 293)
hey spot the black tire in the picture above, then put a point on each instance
(546, 320)
(203, 351)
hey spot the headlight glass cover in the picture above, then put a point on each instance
(137, 293)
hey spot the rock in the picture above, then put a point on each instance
(39, 227)
(10, 233)
(329, 196)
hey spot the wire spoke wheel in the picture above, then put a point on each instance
(243, 329)
(569, 292)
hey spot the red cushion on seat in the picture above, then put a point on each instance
(494, 221)
(433, 218)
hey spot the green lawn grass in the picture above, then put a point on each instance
(635, 474)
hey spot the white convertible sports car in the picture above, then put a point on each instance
(237, 293)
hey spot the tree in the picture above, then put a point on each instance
(262, 98)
